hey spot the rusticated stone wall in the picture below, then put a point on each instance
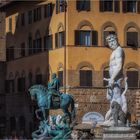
(94, 99)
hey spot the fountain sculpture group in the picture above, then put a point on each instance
(58, 127)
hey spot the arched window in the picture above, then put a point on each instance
(85, 35)
(60, 37)
(133, 77)
(85, 76)
(107, 30)
(48, 38)
(37, 43)
(132, 37)
(105, 75)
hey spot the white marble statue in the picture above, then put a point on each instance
(114, 88)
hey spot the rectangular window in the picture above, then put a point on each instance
(60, 6)
(48, 42)
(22, 49)
(10, 24)
(109, 5)
(60, 77)
(30, 17)
(37, 14)
(83, 5)
(60, 39)
(132, 39)
(85, 78)
(10, 53)
(86, 38)
(48, 10)
(22, 19)
(129, 6)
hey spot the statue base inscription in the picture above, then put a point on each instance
(119, 133)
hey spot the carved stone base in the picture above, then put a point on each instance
(119, 133)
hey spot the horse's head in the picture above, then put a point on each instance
(33, 92)
(37, 91)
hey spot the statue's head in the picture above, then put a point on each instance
(112, 41)
(54, 75)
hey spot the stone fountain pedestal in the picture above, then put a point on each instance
(119, 133)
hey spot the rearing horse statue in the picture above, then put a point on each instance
(40, 94)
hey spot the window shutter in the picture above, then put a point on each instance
(101, 5)
(138, 6)
(94, 38)
(77, 37)
(124, 4)
(132, 78)
(56, 40)
(88, 78)
(63, 38)
(117, 6)
(57, 4)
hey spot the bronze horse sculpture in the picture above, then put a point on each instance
(40, 94)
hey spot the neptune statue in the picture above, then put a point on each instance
(115, 94)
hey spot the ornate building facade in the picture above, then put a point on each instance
(49, 36)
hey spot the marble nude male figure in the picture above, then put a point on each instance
(114, 90)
